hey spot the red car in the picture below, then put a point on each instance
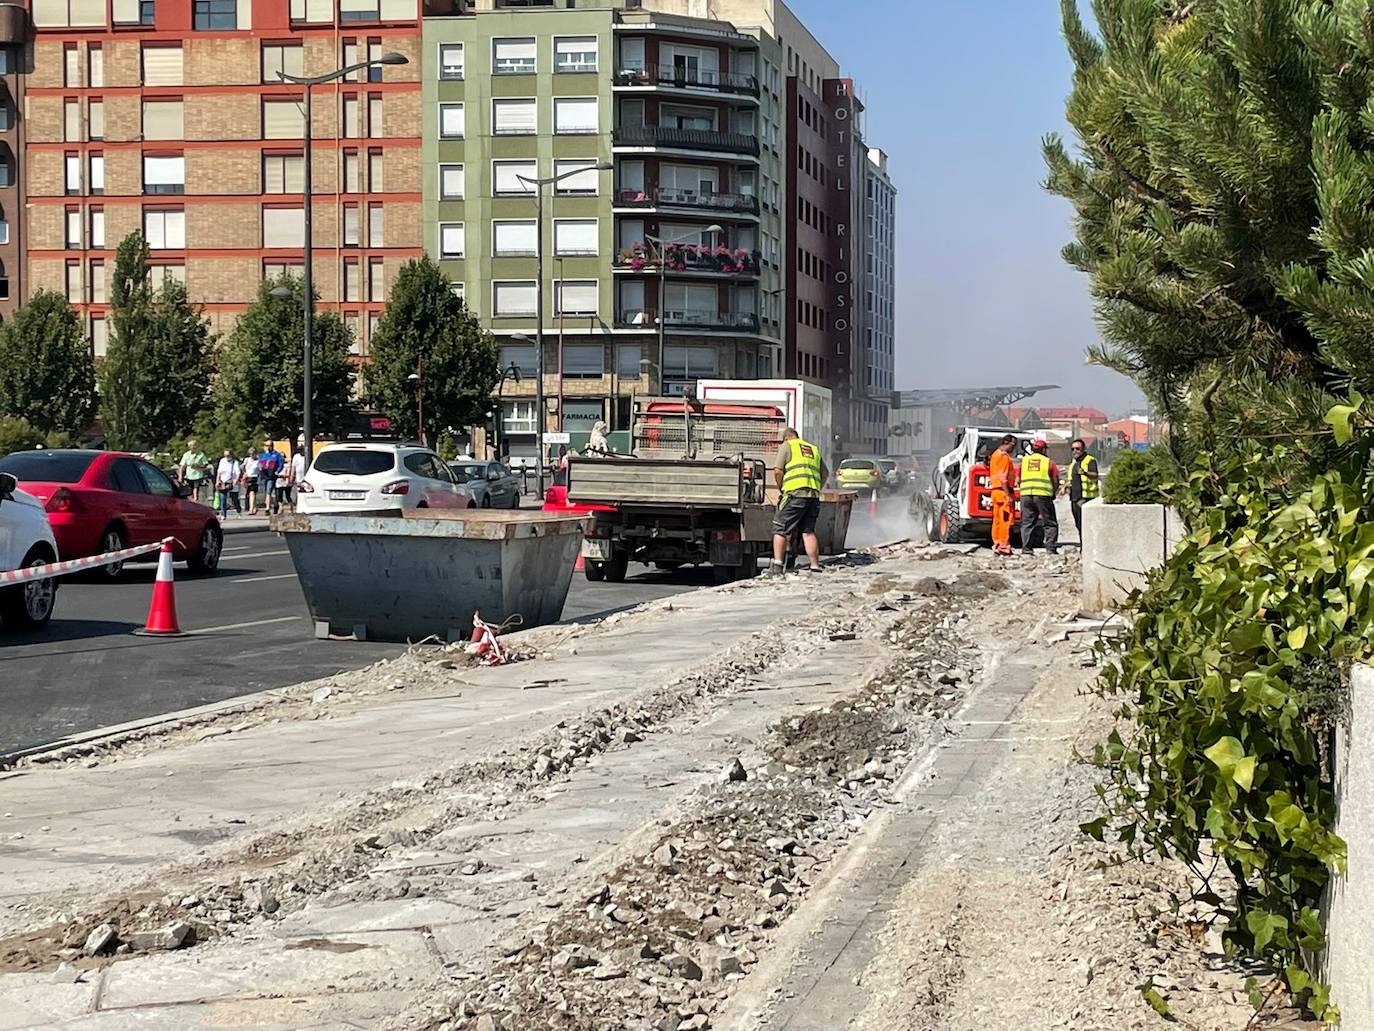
(102, 501)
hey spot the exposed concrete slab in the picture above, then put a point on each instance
(1121, 543)
(27, 1001)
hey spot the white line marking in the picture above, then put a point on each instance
(241, 547)
(243, 626)
(264, 554)
(261, 579)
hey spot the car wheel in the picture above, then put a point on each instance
(112, 539)
(206, 558)
(30, 606)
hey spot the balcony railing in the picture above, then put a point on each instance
(738, 202)
(688, 318)
(686, 139)
(680, 257)
(685, 78)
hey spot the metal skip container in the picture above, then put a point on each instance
(406, 577)
(832, 525)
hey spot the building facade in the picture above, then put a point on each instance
(170, 119)
(16, 61)
(876, 300)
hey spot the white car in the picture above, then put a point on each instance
(377, 477)
(25, 540)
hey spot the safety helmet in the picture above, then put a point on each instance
(1039, 444)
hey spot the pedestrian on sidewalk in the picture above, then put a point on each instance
(1084, 481)
(800, 473)
(1001, 476)
(194, 469)
(250, 484)
(227, 477)
(1039, 486)
(270, 463)
(297, 475)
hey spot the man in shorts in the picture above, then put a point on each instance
(800, 473)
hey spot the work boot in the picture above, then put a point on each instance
(774, 569)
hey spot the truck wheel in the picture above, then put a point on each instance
(596, 571)
(617, 567)
(951, 525)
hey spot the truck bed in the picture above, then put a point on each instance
(671, 483)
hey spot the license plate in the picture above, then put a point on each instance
(347, 495)
(597, 550)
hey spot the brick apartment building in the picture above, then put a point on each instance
(14, 65)
(167, 116)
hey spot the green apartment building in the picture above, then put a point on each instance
(663, 131)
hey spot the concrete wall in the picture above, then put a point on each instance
(1120, 544)
(1350, 898)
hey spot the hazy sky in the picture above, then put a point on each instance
(959, 93)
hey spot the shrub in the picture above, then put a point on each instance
(18, 434)
(1137, 478)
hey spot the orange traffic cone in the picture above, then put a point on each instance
(581, 563)
(162, 612)
(873, 503)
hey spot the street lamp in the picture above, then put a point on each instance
(539, 184)
(418, 378)
(663, 287)
(310, 81)
(512, 371)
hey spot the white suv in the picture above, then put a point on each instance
(25, 540)
(375, 477)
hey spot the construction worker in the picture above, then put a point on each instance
(1039, 485)
(1084, 481)
(800, 473)
(1000, 469)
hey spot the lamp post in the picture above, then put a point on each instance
(663, 289)
(310, 81)
(418, 378)
(513, 371)
(539, 184)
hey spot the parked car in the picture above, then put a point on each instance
(103, 501)
(860, 474)
(892, 474)
(491, 483)
(26, 539)
(372, 477)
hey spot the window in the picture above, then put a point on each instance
(352, 116)
(690, 362)
(71, 234)
(516, 238)
(216, 15)
(514, 117)
(376, 284)
(280, 269)
(352, 55)
(353, 288)
(451, 182)
(575, 236)
(312, 10)
(451, 121)
(163, 120)
(71, 66)
(352, 184)
(450, 239)
(282, 118)
(73, 173)
(283, 173)
(283, 227)
(584, 183)
(164, 274)
(584, 361)
(97, 227)
(6, 171)
(450, 60)
(627, 361)
(375, 226)
(95, 121)
(95, 66)
(509, 177)
(359, 10)
(352, 236)
(71, 120)
(4, 230)
(58, 13)
(522, 356)
(513, 297)
(155, 481)
(376, 177)
(574, 53)
(281, 57)
(459, 290)
(162, 175)
(576, 115)
(100, 346)
(374, 71)
(98, 173)
(577, 297)
(513, 56)
(74, 282)
(376, 127)
(162, 66)
(165, 230)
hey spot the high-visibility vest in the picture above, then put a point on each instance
(1080, 468)
(803, 469)
(1035, 476)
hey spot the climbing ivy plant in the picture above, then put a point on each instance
(1232, 681)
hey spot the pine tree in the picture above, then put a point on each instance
(261, 366)
(47, 371)
(426, 329)
(1224, 198)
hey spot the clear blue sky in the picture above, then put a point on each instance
(959, 93)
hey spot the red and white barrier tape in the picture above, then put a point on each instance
(20, 576)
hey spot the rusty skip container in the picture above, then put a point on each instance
(832, 525)
(406, 577)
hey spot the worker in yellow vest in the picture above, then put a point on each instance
(800, 473)
(1085, 481)
(1039, 482)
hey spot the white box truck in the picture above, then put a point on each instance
(806, 406)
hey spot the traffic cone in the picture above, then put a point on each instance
(162, 612)
(873, 503)
(581, 563)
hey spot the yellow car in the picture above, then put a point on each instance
(860, 474)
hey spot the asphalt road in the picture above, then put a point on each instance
(247, 630)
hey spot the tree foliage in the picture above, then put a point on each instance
(261, 366)
(1224, 194)
(155, 379)
(47, 370)
(427, 328)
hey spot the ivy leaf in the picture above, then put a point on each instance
(1265, 927)
(1229, 756)
(1339, 418)
(1297, 637)
(1094, 828)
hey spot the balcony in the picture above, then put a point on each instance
(686, 139)
(689, 318)
(738, 203)
(691, 258)
(684, 78)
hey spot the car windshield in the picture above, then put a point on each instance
(853, 463)
(354, 463)
(48, 466)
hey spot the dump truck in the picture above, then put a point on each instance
(696, 490)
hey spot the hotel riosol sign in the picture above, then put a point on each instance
(840, 108)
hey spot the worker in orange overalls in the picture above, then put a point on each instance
(1002, 481)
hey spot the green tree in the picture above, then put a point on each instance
(1224, 200)
(261, 376)
(427, 328)
(155, 379)
(47, 371)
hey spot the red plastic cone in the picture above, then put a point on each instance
(873, 503)
(581, 562)
(162, 612)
